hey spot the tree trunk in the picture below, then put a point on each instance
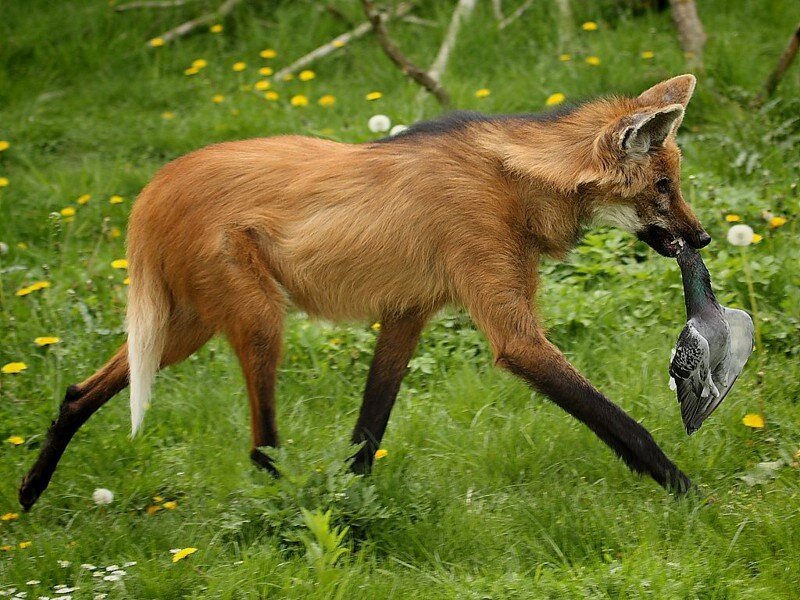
(690, 30)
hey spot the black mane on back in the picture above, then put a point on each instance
(461, 119)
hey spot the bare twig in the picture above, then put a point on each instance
(784, 62)
(690, 30)
(461, 12)
(152, 4)
(497, 9)
(337, 42)
(515, 15)
(426, 80)
(186, 28)
(415, 20)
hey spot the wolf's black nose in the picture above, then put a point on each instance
(700, 240)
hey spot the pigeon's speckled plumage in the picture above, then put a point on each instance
(712, 348)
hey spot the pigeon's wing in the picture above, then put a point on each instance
(740, 347)
(741, 340)
(689, 369)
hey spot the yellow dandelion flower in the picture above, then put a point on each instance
(306, 75)
(239, 66)
(83, 199)
(4, 145)
(15, 440)
(115, 232)
(6, 548)
(593, 60)
(24, 545)
(262, 85)
(265, 71)
(191, 71)
(776, 222)
(218, 98)
(554, 99)
(647, 54)
(374, 96)
(327, 100)
(338, 43)
(126, 281)
(753, 420)
(217, 28)
(67, 211)
(39, 285)
(158, 499)
(13, 368)
(589, 26)
(565, 57)
(153, 509)
(733, 218)
(299, 100)
(24, 291)
(167, 115)
(268, 53)
(757, 237)
(4, 181)
(381, 453)
(156, 42)
(120, 263)
(200, 63)
(482, 93)
(9, 517)
(183, 553)
(171, 505)
(46, 340)
(115, 199)
(272, 95)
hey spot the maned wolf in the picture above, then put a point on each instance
(457, 210)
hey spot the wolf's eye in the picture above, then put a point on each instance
(663, 185)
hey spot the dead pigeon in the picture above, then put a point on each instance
(712, 348)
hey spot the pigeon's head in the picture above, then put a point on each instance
(641, 189)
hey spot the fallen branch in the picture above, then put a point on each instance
(152, 4)
(390, 48)
(497, 9)
(461, 12)
(337, 42)
(786, 59)
(515, 15)
(189, 26)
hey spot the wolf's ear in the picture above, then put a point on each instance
(677, 90)
(650, 129)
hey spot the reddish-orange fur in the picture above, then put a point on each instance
(224, 238)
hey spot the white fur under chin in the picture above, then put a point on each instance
(618, 215)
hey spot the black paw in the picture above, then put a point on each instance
(30, 490)
(361, 462)
(263, 461)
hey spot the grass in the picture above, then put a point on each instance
(487, 491)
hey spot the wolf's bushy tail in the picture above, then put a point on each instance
(147, 319)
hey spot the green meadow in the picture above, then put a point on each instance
(486, 490)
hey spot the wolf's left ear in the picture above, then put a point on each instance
(650, 129)
(677, 90)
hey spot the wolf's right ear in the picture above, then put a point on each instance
(649, 129)
(677, 90)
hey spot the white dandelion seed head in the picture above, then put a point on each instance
(379, 123)
(740, 235)
(397, 129)
(3, 248)
(33, 582)
(88, 567)
(64, 564)
(102, 496)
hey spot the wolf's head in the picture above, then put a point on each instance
(639, 188)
